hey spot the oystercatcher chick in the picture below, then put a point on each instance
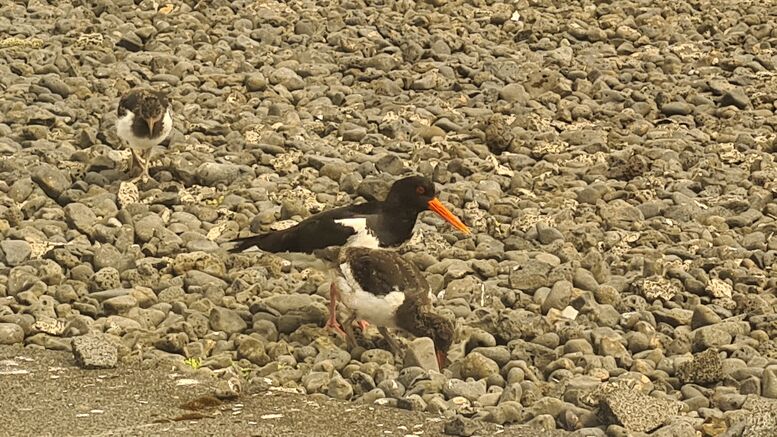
(383, 288)
(374, 224)
(145, 120)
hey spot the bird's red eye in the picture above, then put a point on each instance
(420, 190)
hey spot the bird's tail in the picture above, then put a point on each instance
(278, 241)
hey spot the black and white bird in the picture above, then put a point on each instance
(384, 289)
(145, 120)
(374, 224)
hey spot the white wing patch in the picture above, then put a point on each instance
(363, 236)
(378, 310)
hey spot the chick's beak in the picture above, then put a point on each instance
(440, 209)
(151, 123)
(441, 359)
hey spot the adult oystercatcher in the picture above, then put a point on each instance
(383, 288)
(145, 120)
(371, 224)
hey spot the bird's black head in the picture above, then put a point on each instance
(415, 194)
(412, 192)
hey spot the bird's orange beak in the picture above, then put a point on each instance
(440, 209)
(441, 359)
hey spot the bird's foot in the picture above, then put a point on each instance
(335, 326)
(363, 325)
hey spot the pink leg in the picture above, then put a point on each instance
(332, 322)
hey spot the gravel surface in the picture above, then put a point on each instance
(615, 160)
(45, 394)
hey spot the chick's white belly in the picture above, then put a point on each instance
(124, 131)
(378, 310)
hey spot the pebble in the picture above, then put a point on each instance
(15, 251)
(704, 368)
(11, 333)
(339, 388)
(476, 365)
(638, 412)
(468, 390)
(94, 352)
(421, 353)
(226, 320)
(53, 181)
(676, 108)
(461, 426)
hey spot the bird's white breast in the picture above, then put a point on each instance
(124, 131)
(362, 237)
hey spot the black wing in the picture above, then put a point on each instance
(381, 271)
(314, 233)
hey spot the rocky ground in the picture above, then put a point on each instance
(616, 161)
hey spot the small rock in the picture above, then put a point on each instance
(253, 350)
(119, 304)
(288, 78)
(80, 217)
(461, 426)
(16, 251)
(506, 412)
(381, 356)
(769, 383)
(107, 278)
(147, 226)
(338, 357)
(222, 319)
(11, 333)
(469, 390)
(173, 342)
(212, 173)
(547, 234)
(339, 388)
(94, 352)
(421, 353)
(703, 316)
(710, 336)
(676, 108)
(56, 85)
(51, 179)
(476, 365)
(704, 368)
(229, 389)
(736, 97)
(412, 402)
(558, 297)
(636, 411)
(255, 82)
